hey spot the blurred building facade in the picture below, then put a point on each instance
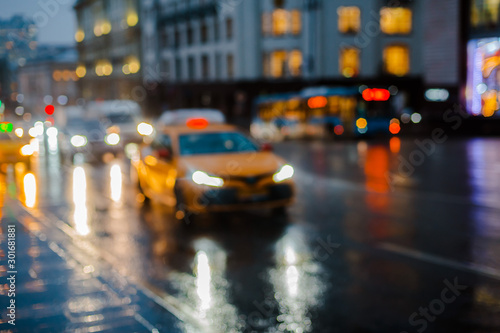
(50, 78)
(223, 53)
(108, 43)
(18, 44)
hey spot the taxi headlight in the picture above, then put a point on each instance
(286, 172)
(112, 139)
(26, 150)
(202, 178)
(78, 141)
(145, 129)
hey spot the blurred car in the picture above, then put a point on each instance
(14, 149)
(125, 124)
(199, 164)
(88, 137)
(118, 116)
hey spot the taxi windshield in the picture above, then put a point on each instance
(215, 143)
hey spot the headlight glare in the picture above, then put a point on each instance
(202, 178)
(286, 172)
(112, 139)
(78, 141)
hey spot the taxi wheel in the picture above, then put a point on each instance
(181, 212)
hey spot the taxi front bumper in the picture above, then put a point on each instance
(232, 198)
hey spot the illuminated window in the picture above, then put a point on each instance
(349, 62)
(397, 60)
(296, 22)
(295, 63)
(395, 20)
(277, 64)
(485, 13)
(267, 24)
(349, 19)
(281, 22)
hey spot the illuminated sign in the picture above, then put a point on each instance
(437, 95)
(376, 94)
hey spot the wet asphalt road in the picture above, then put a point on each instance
(385, 236)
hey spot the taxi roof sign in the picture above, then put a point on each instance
(182, 116)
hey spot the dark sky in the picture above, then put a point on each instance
(55, 19)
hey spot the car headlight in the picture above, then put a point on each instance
(112, 139)
(145, 129)
(202, 178)
(26, 150)
(78, 141)
(286, 172)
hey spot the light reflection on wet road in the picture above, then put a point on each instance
(366, 245)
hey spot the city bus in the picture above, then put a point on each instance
(320, 112)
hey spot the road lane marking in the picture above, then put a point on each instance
(440, 261)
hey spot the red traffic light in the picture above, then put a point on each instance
(49, 109)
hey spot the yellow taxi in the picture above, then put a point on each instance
(197, 163)
(13, 147)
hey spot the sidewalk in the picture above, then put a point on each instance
(55, 293)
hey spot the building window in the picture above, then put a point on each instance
(164, 39)
(205, 67)
(218, 66)
(395, 20)
(349, 62)
(267, 24)
(281, 22)
(165, 69)
(266, 64)
(216, 29)
(178, 69)
(191, 69)
(277, 63)
(295, 63)
(349, 19)
(296, 22)
(229, 28)
(204, 32)
(189, 32)
(177, 38)
(230, 66)
(397, 60)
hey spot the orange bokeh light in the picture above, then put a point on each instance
(317, 102)
(394, 128)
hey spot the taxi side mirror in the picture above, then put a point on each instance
(266, 147)
(164, 154)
